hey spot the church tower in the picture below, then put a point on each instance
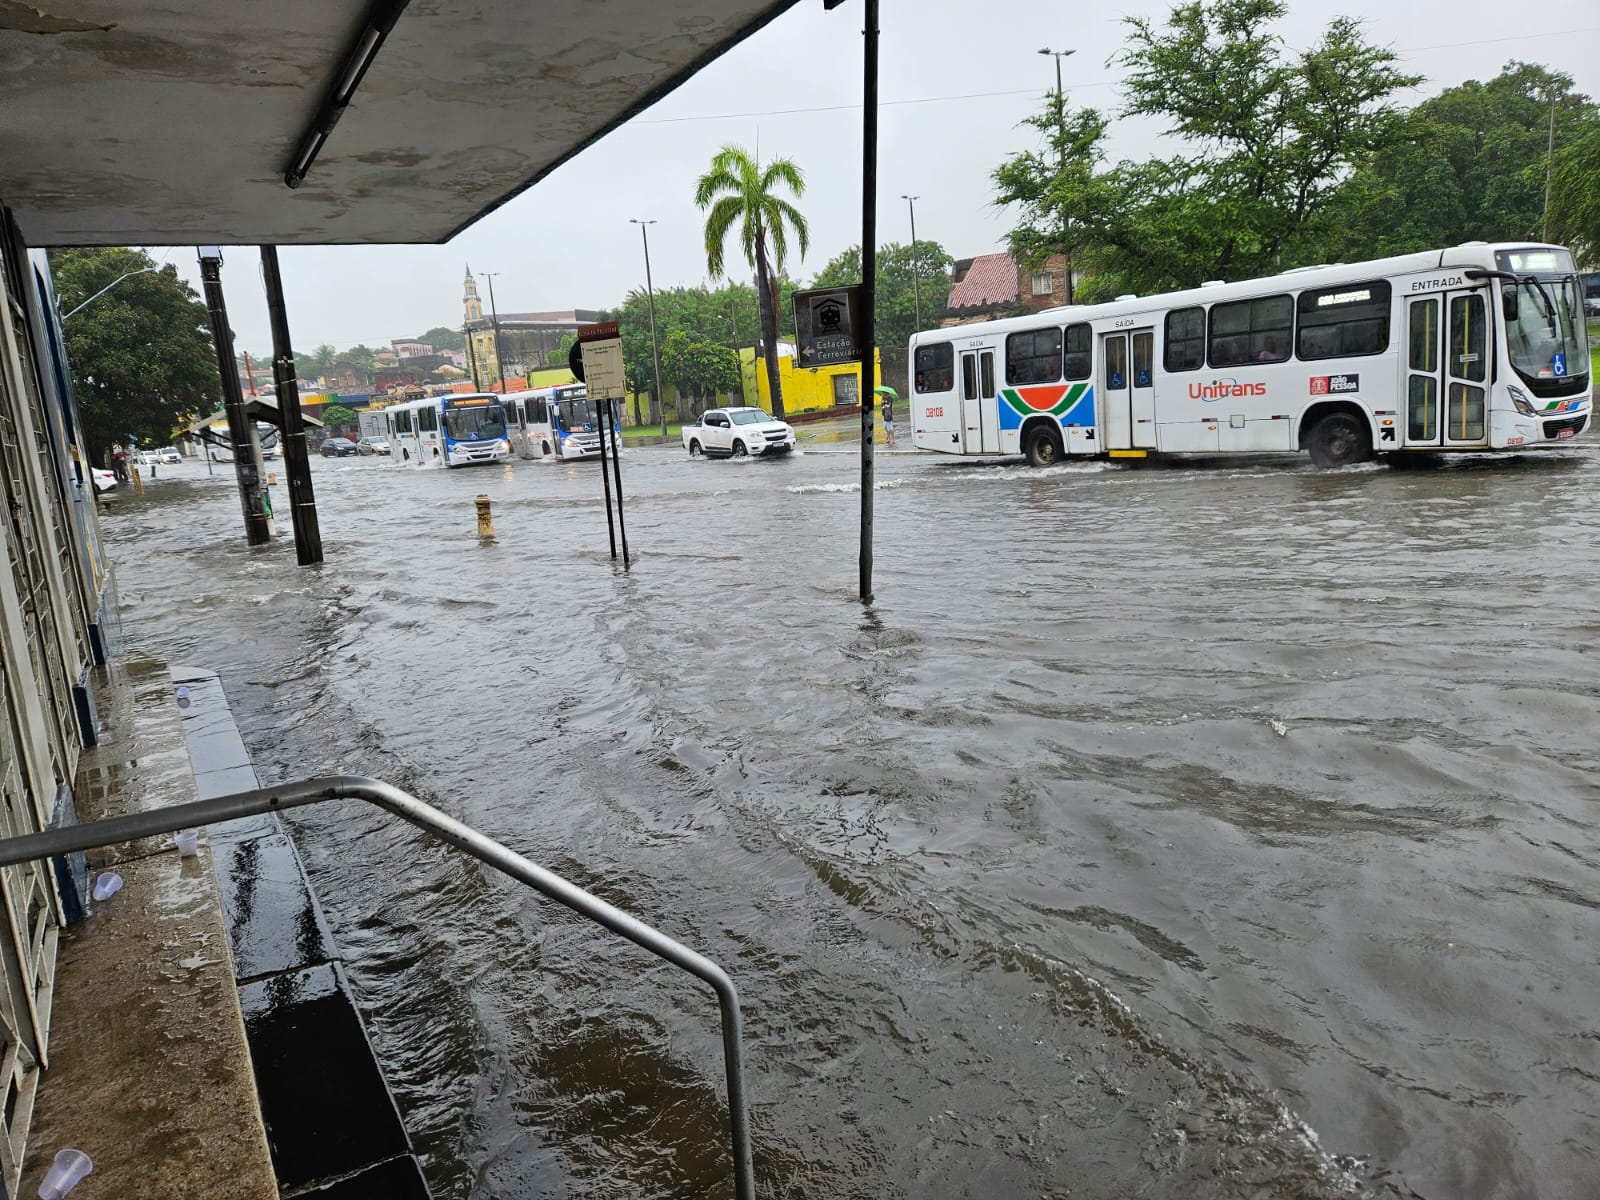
(474, 306)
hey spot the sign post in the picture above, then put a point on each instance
(598, 358)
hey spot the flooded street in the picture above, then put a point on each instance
(1223, 831)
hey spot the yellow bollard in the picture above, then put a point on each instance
(485, 519)
(138, 484)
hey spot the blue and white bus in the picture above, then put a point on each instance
(562, 421)
(449, 430)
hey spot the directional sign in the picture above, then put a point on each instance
(825, 320)
(603, 332)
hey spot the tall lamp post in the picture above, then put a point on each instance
(494, 320)
(916, 273)
(650, 290)
(147, 270)
(1061, 132)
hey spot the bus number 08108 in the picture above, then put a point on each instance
(936, 412)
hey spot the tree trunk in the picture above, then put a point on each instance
(769, 324)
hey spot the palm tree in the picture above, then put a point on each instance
(739, 188)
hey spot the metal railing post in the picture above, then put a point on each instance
(463, 837)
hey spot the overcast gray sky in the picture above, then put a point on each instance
(957, 78)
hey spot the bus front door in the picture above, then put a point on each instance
(980, 404)
(1447, 370)
(1116, 388)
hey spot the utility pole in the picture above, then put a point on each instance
(916, 273)
(241, 430)
(472, 354)
(1549, 161)
(1061, 133)
(296, 461)
(869, 282)
(650, 289)
(494, 320)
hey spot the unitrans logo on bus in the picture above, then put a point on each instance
(1224, 389)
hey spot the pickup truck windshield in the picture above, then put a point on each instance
(749, 417)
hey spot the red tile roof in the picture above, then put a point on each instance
(991, 279)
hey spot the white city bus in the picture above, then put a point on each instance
(449, 430)
(562, 421)
(1475, 348)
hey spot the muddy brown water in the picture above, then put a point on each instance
(1198, 831)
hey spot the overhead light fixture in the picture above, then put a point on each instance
(381, 18)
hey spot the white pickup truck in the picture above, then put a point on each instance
(735, 433)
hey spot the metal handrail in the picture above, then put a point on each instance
(463, 837)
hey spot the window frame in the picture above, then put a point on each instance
(1013, 378)
(1067, 352)
(1252, 331)
(1049, 284)
(1168, 341)
(1306, 302)
(945, 370)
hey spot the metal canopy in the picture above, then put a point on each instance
(134, 124)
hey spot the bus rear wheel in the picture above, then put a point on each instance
(1339, 440)
(1044, 446)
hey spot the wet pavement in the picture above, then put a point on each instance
(1184, 831)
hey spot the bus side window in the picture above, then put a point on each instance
(1080, 364)
(1185, 339)
(935, 368)
(1343, 322)
(428, 420)
(402, 421)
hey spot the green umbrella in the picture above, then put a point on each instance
(885, 390)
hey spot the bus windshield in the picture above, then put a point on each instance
(576, 415)
(482, 423)
(1547, 338)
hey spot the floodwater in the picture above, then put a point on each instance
(1188, 831)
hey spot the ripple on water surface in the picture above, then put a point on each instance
(1201, 831)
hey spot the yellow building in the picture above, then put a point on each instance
(805, 389)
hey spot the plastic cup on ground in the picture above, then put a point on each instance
(64, 1174)
(106, 885)
(183, 697)
(188, 842)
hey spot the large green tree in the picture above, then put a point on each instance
(1575, 196)
(143, 363)
(441, 338)
(1056, 189)
(738, 190)
(1266, 138)
(1471, 165)
(902, 272)
(698, 369)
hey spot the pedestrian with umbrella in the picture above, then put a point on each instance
(889, 397)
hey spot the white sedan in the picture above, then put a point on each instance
(104, 481)
(735, 433)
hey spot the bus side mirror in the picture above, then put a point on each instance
(1508, 304)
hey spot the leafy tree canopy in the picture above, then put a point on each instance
(441, 338)
(698, 369)
(1470, 165)
(337, 416)
(143, 363)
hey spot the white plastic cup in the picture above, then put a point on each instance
(188, 842)
(64, 1174)
(106, 885)
(183, 697)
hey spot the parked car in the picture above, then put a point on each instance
(104, 481)
(169, 454)
(372, 445)
(339, 447)
(737, 432)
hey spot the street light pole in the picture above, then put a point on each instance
(107, 288)
(1061, 132)
(916, 280)
(494, 319)
(650, 290)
